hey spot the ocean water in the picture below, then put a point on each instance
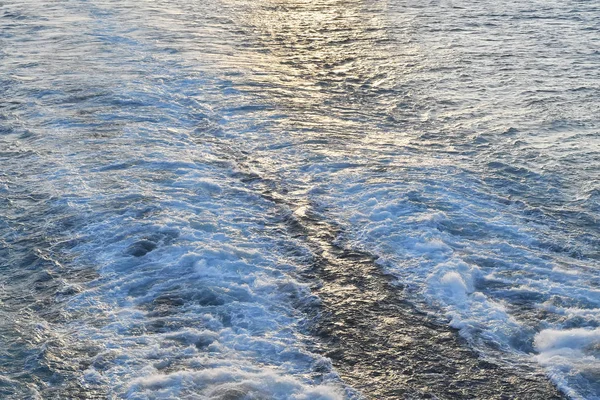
(233, 199)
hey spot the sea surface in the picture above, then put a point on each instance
(299, 199)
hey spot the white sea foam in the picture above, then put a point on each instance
(476, 265)
(224, 383)
(572, 357)
(552, 341)
(184, 309)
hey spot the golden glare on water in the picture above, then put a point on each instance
(328, 68)
(331, 66)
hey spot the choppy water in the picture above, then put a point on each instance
(232, 199)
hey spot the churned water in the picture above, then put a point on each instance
(272, 199)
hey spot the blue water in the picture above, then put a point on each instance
(153, 153)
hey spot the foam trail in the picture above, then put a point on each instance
(151, 270)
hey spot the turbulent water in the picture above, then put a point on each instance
(273, 199)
